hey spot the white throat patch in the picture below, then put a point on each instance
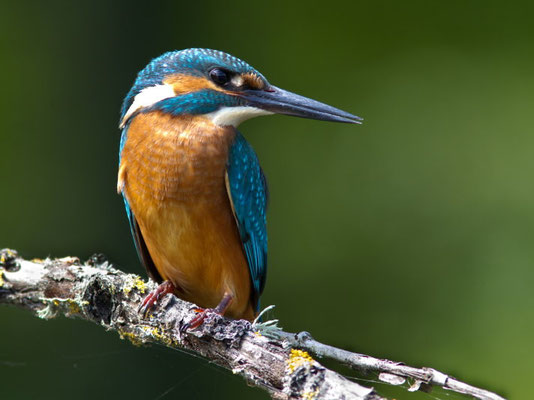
(146, 98)
(233, 116)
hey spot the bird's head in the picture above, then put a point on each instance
(219, 86)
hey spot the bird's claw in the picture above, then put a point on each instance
(198, 319)
(147, 303)
(153, 297)
(203, 312)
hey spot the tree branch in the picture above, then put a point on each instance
(269, 358)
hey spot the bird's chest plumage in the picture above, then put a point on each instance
(176, 159)
(172, 173)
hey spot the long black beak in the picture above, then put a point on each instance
(281, 101)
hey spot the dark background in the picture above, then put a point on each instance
(409, 237)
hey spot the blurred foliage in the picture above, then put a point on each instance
(409, 237)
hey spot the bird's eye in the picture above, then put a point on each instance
(219, 76)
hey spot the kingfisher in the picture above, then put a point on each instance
(194, 191)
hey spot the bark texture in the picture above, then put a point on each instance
(277, 361)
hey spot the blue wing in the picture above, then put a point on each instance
(140, 245)
(248, 191)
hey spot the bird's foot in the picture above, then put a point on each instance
(202, 313)
(153, 297)
(198, 319)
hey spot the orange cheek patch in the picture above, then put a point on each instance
(183, 84)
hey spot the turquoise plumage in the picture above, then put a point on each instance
(195, 194)
(248, 188)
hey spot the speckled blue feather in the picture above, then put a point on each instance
(247, 185)
(195, 62)
(248, 189)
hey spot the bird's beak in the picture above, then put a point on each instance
(280, 101)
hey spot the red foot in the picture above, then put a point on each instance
(199, 318)
(153, 297)
(202, 313)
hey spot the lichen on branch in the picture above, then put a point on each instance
(281, 363)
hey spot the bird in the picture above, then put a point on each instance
(194, 192)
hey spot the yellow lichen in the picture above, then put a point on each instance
(132, 337)
(298, 358)
(310, 395)
(157, 333)
(7, 253)
(75, 307)
(56, 304)
(134, 282)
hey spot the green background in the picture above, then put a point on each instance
(409, 237)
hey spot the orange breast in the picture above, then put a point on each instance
(172, 173)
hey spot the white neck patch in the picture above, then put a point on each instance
(146, 98)
(233, 116)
